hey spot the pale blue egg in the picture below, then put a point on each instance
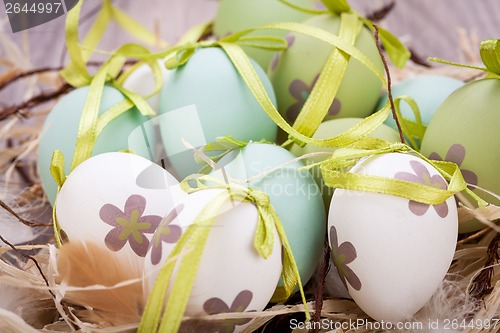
(60, 131)
(428, 91)
(221, 104)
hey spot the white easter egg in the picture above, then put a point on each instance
(232, 276)
(392, 253)
(142, 82)
(116, 200)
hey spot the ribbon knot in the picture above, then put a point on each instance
(490, 55)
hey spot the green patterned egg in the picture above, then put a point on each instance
(465, 130)
(331, 128)
(295, 71)
(237, 15)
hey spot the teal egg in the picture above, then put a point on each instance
(60, 130)
(293, 194)
(237, 15)
(221, 104)
(428, 91)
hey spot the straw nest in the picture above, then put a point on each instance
(33, 301)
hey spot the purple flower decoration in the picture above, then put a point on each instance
(456, 154)
(277, 55)
(129, 225)
(216, 305)
(423, 176)
(342, 256)
(301, 91)
(166, 232)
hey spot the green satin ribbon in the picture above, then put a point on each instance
(490, 55)
(397, 51)
(57, 171)
(413, 130)
(180, 55)
(333, 171)
(188, 251)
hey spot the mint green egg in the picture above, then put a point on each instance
(60, 130)
(295, 71)
(329, 129)
(465, 130)
(293, 194)
(428, 91)
(236, 15)
(222, 102)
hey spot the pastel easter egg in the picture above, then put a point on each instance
(232, 276)
(60, 131)
(142, 82)
(293, 194)
(428, 91)
(392, 253)
(295, 71)
(329, 129)
(236, 15)
(108, 200)
(464, 130)
(223, 103)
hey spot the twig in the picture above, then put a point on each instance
(28, 73)
(481, 286)
(34, 101)
(38, 267)
(20, 219)
(381, 13)
(389, 84)
(416, 58)
(474, 236)
(323, 271)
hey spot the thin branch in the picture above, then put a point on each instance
(22, 220)
(389, 84)
(34, 101)
(481, 285)
(381, 13)
(323, 271)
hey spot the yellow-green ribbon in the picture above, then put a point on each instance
(57, 171)
(490, 55)
(179, 55)
(334, 174)
(396, 50)
(413, 130)
(194, 239)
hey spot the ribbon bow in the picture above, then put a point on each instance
(195, 237)
(334, 175)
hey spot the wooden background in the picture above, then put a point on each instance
(431, 27)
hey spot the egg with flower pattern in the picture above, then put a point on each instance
(109, 200)
(392, 253)
(232, 276)
(464, 130)
(295, 71)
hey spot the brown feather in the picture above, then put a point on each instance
(84, 265)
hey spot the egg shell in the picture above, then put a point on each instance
(393, 252)
(108, 189)
(329, 129)
(223, 102)
(428, 91)
(464, 130)
(230, 268)
(233, 16)
(60, 131)
(141, 81)
(295, 71)
(293, 194)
